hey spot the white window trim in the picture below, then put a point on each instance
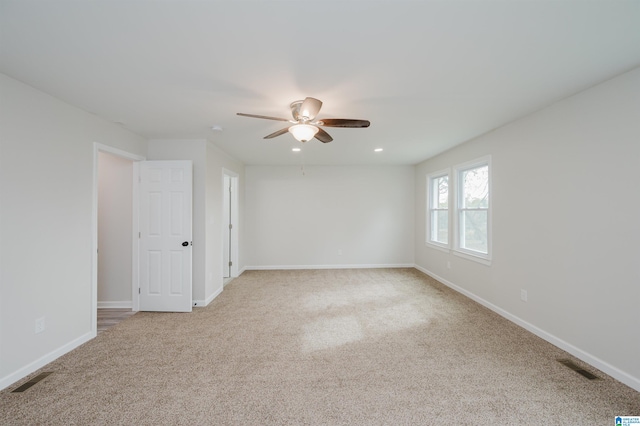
(435, 244)
(460, 251)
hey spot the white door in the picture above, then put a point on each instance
(226, 231)
(165, 235)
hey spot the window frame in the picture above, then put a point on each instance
(430, 209)
(458, 170)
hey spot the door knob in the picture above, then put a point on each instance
(186, 243)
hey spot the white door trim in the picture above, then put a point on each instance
(97, 148)
(226, 232)
(234, 253)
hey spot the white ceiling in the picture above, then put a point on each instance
(428, 74)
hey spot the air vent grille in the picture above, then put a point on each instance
(575, 367)
(32, 382)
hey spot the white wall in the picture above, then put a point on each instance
(217, 162)
(566, 228)
(208, 163)
(115, 221)
(296, 220)
(46, 198)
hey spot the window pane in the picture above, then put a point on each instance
(438, 209)
(475, 188)
(473, 230)
(441, 191)
(440, 230)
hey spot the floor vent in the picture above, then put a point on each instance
(32, 382)
(572, 365)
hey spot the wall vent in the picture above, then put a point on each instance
(32, 382)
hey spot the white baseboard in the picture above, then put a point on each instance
(205, 302)
(616, 373)
(124, 304)
(44, 360)
(358, 266)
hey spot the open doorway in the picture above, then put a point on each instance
(230, 238)
(115, 230)
(114, 253)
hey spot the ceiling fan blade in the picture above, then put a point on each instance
(310, 108)
(278, 133)
(262, 116)
(343, 122)
(323, 136)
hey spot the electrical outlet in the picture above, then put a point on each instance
(39, 325)
(523, 295)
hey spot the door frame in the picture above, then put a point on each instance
(226, 232)
(97, 149)
(233, 253)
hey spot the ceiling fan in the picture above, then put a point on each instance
(304, 127)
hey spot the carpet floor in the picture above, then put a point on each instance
(320, 347)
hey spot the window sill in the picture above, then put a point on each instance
(476, 258)
(441, 247)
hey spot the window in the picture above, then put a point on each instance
(438, 207)
(472, 209)
(463, 229)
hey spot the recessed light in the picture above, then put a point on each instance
(295, 149)
(378, 150)
(216, 128)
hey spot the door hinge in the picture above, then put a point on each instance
(138, 290)
(139, 235)
(230, 263)
(230, 226)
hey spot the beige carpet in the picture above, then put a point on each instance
(326, 347)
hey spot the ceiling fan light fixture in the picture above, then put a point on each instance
(304, 128)
(303, 132)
